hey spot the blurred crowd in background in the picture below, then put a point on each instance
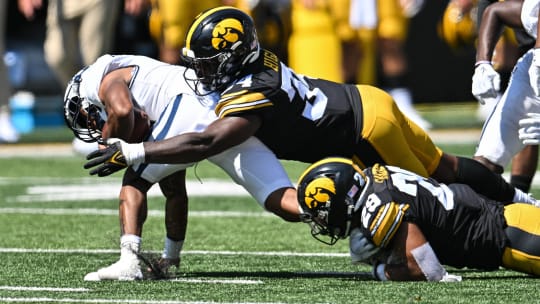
(419, 51)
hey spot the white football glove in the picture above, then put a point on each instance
(360, 248)
(450, 278)
(534, 72)
(486, 82)
(529, 132)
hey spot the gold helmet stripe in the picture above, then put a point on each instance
(199, 19)
(324, 161)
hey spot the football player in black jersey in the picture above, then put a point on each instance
(297, 117)
(408, 226)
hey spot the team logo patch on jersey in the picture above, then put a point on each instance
(380, 174)
(319, 192)
(226, 33)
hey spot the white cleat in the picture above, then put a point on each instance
(8, 133)
(123, 270)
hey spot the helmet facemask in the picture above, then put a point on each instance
(216, 72)
(84, 118)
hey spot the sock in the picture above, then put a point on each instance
(522, 197)
(130, 246)
(172, 249)
(485, 182)
(521, 182)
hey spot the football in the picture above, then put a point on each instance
(141, 127)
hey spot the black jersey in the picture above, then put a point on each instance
(303, 118)
(463, 228)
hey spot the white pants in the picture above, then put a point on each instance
(499, 140)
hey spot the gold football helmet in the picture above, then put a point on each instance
(458, 25)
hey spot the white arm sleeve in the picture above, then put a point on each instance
(253, 166)
(428, 262)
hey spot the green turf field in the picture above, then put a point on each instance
(53, 232)
(57, 224)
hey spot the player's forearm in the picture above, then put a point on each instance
(489, 32)
(185, 148)
(495, 17)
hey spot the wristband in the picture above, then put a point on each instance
(378, 272)
(482, 62)
(134, 154)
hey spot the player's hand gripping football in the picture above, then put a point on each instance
(116, 156)
(486, 82)
(534, 72)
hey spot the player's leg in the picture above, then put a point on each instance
(392, 34)
(173, 188)
(392, 138)
(60, 47)
(132, 213)
(257, 169)
(524, 166)
(395, 140)
(523, 232)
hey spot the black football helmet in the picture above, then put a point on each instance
(84, 117)
(329, 192)
(219, 43)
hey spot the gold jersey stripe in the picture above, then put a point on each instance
(386, 223)
(243, 101)
(233, 94)
(241, 108)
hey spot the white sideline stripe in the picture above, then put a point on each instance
(246, 282)
(114, 212)
(69, 300)
(110, 190)
(79, 189)
(195, 252)
(25, 288)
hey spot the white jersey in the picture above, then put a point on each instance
(161, 90)
(154, 83)
(529, 16)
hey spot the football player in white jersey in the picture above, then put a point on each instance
(103, 99)
(499, 141)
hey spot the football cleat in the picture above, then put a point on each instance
(161, 269)
(126, 269)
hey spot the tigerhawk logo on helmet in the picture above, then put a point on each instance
(329, 192)
(226, 33)
(219, 44)
(319, 192)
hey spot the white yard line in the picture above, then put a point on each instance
(194, 252)
(30, 288)
(69, 300)
(114, 212)
(76, 190)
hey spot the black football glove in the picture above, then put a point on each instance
(108, 160)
